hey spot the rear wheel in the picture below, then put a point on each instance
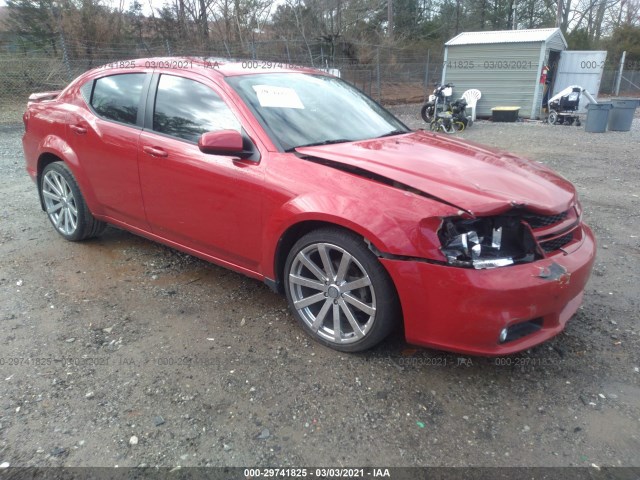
(553, 117)
(339, 292)
(65, 205)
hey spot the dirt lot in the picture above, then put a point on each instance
(119, 351)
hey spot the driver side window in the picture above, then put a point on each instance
(186, 109)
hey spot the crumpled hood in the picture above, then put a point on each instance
(469, 176)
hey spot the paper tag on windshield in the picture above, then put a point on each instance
(279, 97)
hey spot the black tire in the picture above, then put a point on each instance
(553, 117)
(317, 296)
(61, 197)
(426, 112)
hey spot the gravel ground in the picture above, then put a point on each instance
(119, 351)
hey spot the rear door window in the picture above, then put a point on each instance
(117, 97)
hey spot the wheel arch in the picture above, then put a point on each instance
(44, 159)
(291, 235)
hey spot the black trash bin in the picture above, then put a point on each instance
(597, 117)
(621, 117)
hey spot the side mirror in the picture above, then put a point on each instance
(221, 142)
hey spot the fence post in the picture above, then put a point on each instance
(286, 44)
(619, 79)
(426, 72)
(378, 72)
(65, 55)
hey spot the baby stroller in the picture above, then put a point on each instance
(563, 106)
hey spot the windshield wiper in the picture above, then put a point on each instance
(324, 142)
(392, 133)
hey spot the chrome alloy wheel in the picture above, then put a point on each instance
(333, 293)
(59, 202)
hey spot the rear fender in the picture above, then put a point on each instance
(57, 146)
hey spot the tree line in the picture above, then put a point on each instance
(86, 28)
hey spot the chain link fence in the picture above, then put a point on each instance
(389, 75)
(629, 83)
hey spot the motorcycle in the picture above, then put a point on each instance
(438, 102)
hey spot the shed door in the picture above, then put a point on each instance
(583, 68)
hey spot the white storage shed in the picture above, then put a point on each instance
(507, 66)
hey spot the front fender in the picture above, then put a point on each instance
(393, 225)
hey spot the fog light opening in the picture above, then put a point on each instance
(519, 330)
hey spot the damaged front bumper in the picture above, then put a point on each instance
(496, 311)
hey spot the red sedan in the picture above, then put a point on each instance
(294, 177)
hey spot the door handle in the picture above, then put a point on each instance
(155, 151)
(78, 129)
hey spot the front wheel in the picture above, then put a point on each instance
(65, 206)
(426, 112)
(339, 292)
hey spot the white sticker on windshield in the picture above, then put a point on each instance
(279, 97)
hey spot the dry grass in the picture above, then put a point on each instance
(11, 110)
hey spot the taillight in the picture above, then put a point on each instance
(25, 119)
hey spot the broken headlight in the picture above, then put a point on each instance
(488, 242)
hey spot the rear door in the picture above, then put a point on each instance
(582, 68)
(105, 139)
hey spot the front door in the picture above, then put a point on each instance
(209, 203)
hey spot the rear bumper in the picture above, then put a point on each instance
(464, 310)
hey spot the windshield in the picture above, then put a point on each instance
(298, 109)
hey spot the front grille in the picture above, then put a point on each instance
(556, 243)
(539, 221)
